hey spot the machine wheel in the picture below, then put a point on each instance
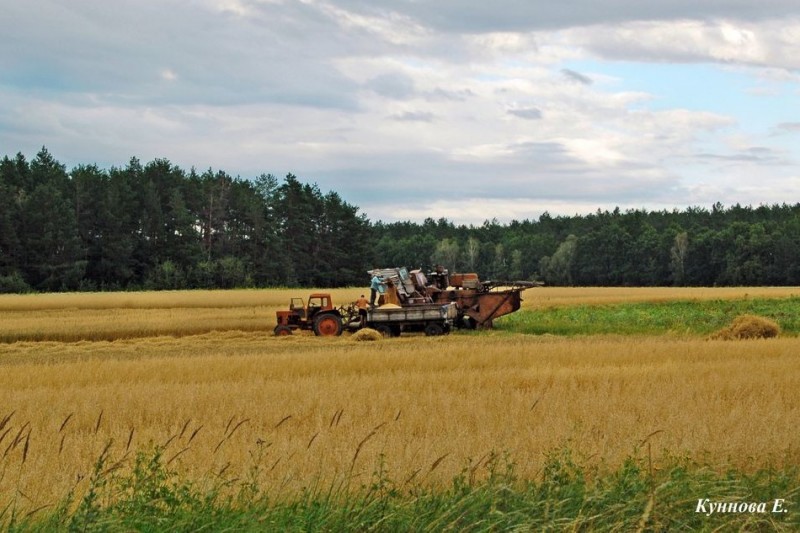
(327, 325)
(433, 329)
(384, 330)
(469, 322)
(282, 331)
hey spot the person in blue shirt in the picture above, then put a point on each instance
(375, 286)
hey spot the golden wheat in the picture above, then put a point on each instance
(112, 316)
(313, 410)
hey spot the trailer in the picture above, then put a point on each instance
(391, 320)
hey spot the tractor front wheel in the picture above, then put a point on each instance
(281, 331)
(328, 325)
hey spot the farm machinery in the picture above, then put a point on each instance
(321, 317)
(478, 302)
(410, 301)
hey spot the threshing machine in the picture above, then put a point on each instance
(479, 302)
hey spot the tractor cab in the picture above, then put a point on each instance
(318, 302)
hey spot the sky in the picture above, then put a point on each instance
(464, 109)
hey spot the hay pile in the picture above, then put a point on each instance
(366, 334)
(749, 327)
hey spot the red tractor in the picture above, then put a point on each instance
(319, 315)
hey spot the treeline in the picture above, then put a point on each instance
(157, 226)
(696, 247)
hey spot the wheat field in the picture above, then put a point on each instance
(200, 375)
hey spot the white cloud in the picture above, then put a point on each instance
(478, 106)
(168, 74)
(769, 43)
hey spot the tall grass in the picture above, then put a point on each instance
(486, 495)
(549, 297)
(695, 317)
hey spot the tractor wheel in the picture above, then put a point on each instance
(282, 331)
(384, 330)
(433, 329)
(327, 325)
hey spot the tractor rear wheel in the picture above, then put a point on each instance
(328, 325)
(282, 331)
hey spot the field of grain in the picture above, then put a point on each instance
(199, 375)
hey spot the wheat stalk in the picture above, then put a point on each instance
(99, 420)
(64, 423)
(6, 419)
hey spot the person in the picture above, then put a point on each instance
(362, 304)
(374, 287)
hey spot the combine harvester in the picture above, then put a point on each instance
(479, 302)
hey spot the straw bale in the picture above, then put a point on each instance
(749, 327)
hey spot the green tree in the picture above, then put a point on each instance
(678, 252)
(52, 253)
(446, 254)
(11, 195)
(348, 237)
(602, 256)
(472, 252)
(557, 269)
(500, 263)
(515, 269)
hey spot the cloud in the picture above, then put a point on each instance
(414, 116)
(394, 85)
(786, 128)
(118, 52)
(529, 113)
(751, 155)
(494, 108)
(576, 76)
(523, 15)
(770, 43)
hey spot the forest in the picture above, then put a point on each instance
(156, 226)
